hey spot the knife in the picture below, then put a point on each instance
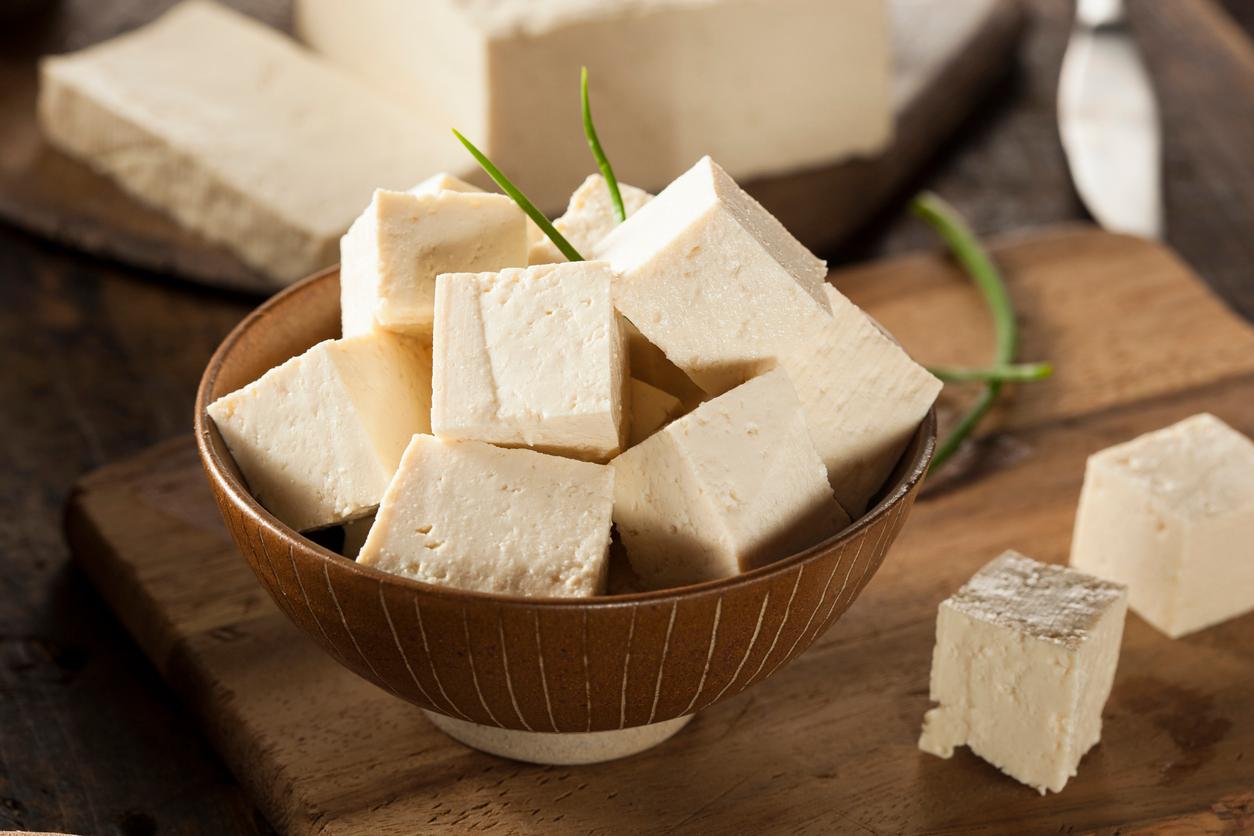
(1108, 119)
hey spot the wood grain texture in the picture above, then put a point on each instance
(829, 743)
(952, 51)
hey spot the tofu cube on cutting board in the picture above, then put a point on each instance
(1024, 661)
(393, 252)
(531, 357)
(468, 515)
(319, 437)
(733, 485)
(237, 132)
(677, 79)
(1171, 514)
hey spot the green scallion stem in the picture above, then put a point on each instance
(971, 255)
(521, 199)
(594, 143)
(1017, 373)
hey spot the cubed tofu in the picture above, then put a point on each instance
(651, 409)
(392, 254)
(714, 280)
(237, 132)
(479, 517)
(1024, 660)
(319, 437)
(531, 358)
(1171, 514)
(589, 217)
(863, 398)
(671, 79)
(734, 485)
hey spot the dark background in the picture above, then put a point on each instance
(98, 361)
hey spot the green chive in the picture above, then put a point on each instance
(966, 248)
(1018, 373)
(521, 199)
(603, 162)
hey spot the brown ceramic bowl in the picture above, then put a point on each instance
(543, 665)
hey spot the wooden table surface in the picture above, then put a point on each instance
(100, 361)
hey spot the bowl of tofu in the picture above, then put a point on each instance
(564, 506)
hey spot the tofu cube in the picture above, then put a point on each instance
(530, 358)
(671, 79)
(319, 437)
(734, 485)
(589, 217)
(392, 253)
(1024, 660)
(237, 133)
(1171, 514)
(478, 517)
(714, 280)
(863, 398)
(651, 409)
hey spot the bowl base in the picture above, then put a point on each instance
(557, 749)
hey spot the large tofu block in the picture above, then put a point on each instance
(1024, 660)
(589, 217)
(714, 280)
(863, 398)
(671, 79)
(734, 485)
(483, 518)
(319, 437)
(395, 249)
(1171, 514)
(238, 133)
(530, 358)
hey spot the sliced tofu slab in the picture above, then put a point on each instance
(733, 485)
(479, 517)
(319, 437)
(237, 132)
(393, 252)
(531, 358)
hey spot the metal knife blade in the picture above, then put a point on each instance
(1108, 118)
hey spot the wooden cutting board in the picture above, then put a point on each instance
(828, 744)
(948, 54)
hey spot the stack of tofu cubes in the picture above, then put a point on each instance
(694, 382)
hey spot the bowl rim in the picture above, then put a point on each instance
(237, 493)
